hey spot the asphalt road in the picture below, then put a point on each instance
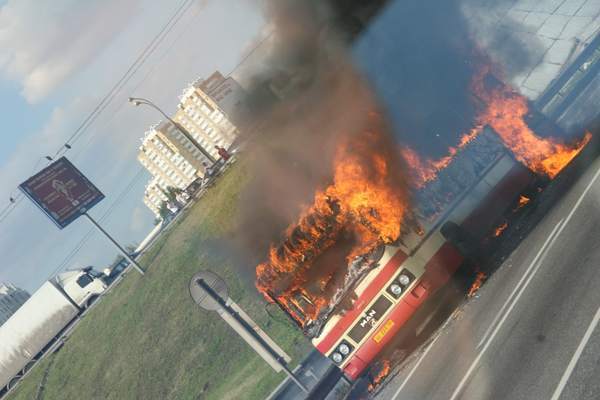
(531, 333)
(310, 371)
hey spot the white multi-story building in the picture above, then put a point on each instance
(154, 196)
(211, 110)
(170, 157)
(172, 160)
(229, 95)
(11, 298)
(206, 114)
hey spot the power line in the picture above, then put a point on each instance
(148, 73)
(10, 207)
(107, 99)
(148, 50)
(16, 198)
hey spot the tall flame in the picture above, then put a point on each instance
(505, 112)
(424, 170)
(367, 200)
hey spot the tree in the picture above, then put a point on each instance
(171, 193)
(164, 211)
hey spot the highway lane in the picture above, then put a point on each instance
(517, 339)
(583, 383)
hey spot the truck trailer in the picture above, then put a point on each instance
(39, 323)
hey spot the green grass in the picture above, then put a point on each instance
(148, 340)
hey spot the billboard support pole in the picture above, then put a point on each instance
(121, 249)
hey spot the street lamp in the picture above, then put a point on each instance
(136, 101)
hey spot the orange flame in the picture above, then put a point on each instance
(523, 201)
(383, 372)
(422, 170)
(366, 201)
(479, 279)
(505, 112)
(500, 229)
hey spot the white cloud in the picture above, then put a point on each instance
(28, 156)
(30, 245)
(42, 43)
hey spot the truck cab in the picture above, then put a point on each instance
(82, 286)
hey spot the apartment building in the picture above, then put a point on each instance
(211, 111)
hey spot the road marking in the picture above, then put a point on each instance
(430, 346)
(569, 216)
(489, 341)
(576, 356)
(563, 223)
(518, 285)
(556, 231)
(587, 189)
(414, 368)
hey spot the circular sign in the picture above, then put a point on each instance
(199, 294)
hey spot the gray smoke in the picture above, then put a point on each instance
(421, 56)
(307, 85)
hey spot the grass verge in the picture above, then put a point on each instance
(148, 340)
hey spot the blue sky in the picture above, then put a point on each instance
(18, 115)
(57, 61)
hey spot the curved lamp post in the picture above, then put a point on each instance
(136, 101)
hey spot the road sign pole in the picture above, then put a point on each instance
(125, 254)
(202, 290)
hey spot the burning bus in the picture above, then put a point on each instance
(374, 246)
(352, 310)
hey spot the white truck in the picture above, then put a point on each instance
(40, 322)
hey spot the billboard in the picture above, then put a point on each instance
(62, 192)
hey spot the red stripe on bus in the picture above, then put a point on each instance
(439, 269)
(369, 350)
(361, 303)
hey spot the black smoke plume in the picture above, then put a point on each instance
(316, 77)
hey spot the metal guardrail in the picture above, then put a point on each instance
(572, 81)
